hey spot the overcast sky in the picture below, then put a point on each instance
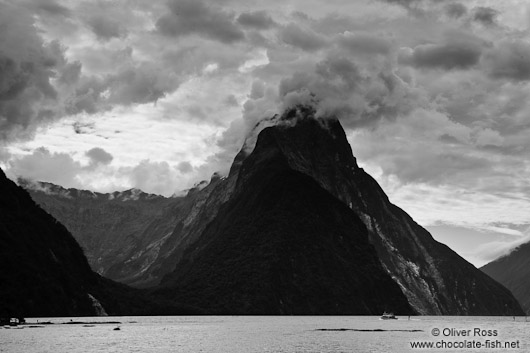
(112, 94)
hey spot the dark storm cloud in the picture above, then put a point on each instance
(485, 15)
(105, 28)
(139, 84)
(86, 96)
(50, 7)
(196, 17)
(509, 60)
(304, 39)
(404, 3)
(256, 19)
(98, 155)
(455, 10)
(70, 73)
(364, 43)
(459, 51)
(334, 76)
(338, 87)
(142, 84)
(27, 66)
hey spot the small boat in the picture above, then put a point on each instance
(388, 316)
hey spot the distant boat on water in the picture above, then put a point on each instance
(388, 316)
(12, 322)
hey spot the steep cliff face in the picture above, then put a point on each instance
(513, 271)
(43, 269)
(434, 278)
(283, 245)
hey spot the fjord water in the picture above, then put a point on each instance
(256, 334)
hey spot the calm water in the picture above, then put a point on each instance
(258, 334)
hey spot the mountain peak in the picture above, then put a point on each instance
(315, 146)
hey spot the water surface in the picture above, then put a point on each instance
(242, 334)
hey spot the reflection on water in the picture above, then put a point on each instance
(251, 334)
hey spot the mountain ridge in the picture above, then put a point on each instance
(512, 271)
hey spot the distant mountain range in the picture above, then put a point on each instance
(122, 233)
(296, 227)
(44, 272)
(513, 271)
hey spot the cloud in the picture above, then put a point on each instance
(455, 10)
(508, 60)
(303, 38)
(489, 137)
(435, 92)
(495, 249)
(153, 177)
(143, 83)
(485, 15)
(51, 7)
(185, 167)
(404, 3)
(338, 87)
(256, 19)
(106, 28)
(231, 101)
(196, 17)
(27, 67)
(43, 165)
(443, 152)
(98, 156)
(365, 43)
(458, 51)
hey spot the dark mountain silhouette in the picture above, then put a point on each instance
(513, 271)
(214, 250)
(43, 271)
(433, 277)
(283, 245)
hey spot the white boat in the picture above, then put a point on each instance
(388, 316)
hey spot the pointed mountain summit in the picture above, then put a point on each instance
(282, 245)
(293, 221)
